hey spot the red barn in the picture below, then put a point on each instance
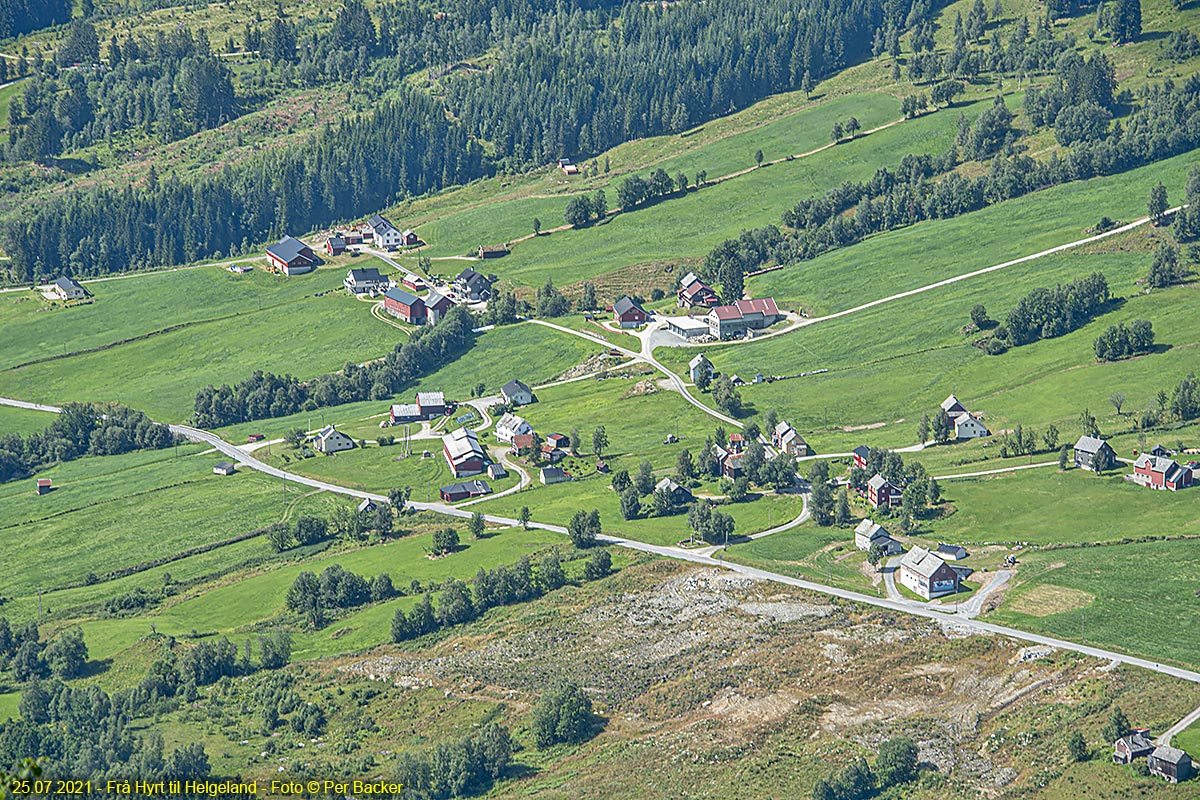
(407, 307)
(292, 256)
(882, 492)
(1159, 472)
(861, 454)
(629, 314)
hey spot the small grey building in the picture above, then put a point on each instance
(1170, 763)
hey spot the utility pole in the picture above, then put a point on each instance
(39, 605)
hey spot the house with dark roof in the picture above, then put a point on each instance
(496, 471)
(473, 285)
(1170, 763)
(464, 455)
(568, 166)
(384, 233)
(727, 322)
(292, 256)
(517, 393)
(1159, 450)
(68, 289)
(882, 492)
(409, 238)
(1137, 744)
(1160, 472)
(679, 495)
(870, 533)
(225, 468)
(927, 575)
(953, 407)
(629, 314)
(1088, 452)
(335, 245)
(951, 552)
(549, 475)
(405, 306)
(860, 455)
(367, 506)
(364, 281)
(464, 491)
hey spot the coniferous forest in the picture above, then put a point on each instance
(569, 81)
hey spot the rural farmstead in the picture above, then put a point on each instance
(713, 399)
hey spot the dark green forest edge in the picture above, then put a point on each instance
(572, 82)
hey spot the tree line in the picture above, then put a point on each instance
(406, 146)
(172, 86)
(81, 429)
(586, 80)
(1045, 313)
(264, 395)
(89, 732)
(459, 603)
(18, 17)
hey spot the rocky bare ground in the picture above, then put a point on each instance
(705, 664)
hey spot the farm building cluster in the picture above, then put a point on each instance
(1163, 761)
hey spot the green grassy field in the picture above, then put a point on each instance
(118, 511)
(1109, 594)
(161, 374)
(889, 363)
(1045, 506)
(23, 421)
(690, 225)
(235, 608)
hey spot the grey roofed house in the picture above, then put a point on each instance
(862, 451)
(552, 475)
(877, 481)
(517, 392)
(1136, 745)
(497, 471)
(953, 407)
(688, 280)
(69, 288)
(869, 533)
(1159, 450)
(926, 574)
(1170, 763)
(367, 505)
(951, 551)
(678, 494)
(624, 305)
(288, 248)
(1086, 450)
(225, 468)
(473, 284)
